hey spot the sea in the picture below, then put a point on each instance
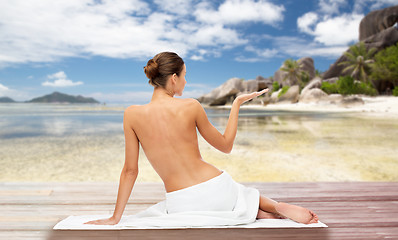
(83, 142)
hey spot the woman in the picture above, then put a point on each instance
(166, 129)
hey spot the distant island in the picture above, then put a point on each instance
(57, 97)
(6, 100)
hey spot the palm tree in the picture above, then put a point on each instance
(294, 73)
(359, 60)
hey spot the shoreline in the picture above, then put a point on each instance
(380, 106)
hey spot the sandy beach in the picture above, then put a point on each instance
(380, 106)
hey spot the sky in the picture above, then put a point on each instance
(98, 48)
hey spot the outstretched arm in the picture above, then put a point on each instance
(129, 173)
(223, 142)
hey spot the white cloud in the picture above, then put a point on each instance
(14, 94)
(330, 27)
(297, 47)
(60, 80)
(341, 30)
(3, 88)
(179, 7)
(331, 6)
(374, 4)
(210, 35)
(197, 57)
(260, 54)
(240, 11)
(335, 28)
(38, 31)
(306, 22)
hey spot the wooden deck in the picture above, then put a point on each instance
(352, 210)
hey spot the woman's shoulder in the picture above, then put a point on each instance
(190, 103)
(132, 110)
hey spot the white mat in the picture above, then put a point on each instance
(77, 223)
(217, 203)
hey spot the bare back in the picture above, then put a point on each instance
(167, 133)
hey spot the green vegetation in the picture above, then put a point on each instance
(395, 91)
(329, 88)
(275, 86)
(292, 67)
(284, 90)
(359, 60)
(294, 73)
(305, 78)
(385, 66)
(347, 85)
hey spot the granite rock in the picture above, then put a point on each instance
(224, 93)
(314, 83)
(377, 21)
(292, 95)
(313, 95)
(351, 101)
(306, 64)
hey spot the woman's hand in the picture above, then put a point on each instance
(246, 97)
(106, 221)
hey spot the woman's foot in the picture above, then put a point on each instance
(296, 213)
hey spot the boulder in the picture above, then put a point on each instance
(259, 78)
(228, 91)
(250, 86)
(280, 75)
(382, 39)
(306, 64)
(351, 101)
(379, 41)
(377, 21)
(334, 98)
(376, 30)
(264, 83)
(314, 83)
(274, 96)
(292, 95)
(259, 101)
(313, 95)
(224, 93)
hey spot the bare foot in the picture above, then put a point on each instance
(296, 213)
(266, 215)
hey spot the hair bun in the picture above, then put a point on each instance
(161, 66)
(151, 69)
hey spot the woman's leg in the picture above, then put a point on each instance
(295, 213)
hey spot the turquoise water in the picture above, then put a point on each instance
(38, 120)
(45, 142)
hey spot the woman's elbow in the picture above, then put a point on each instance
(130, 171)
(227, 149)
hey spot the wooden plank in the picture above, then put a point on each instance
(336, 233)
(353, 210)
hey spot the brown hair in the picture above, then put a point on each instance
(161, 66)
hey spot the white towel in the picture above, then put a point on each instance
(217, 203)
(77, 223)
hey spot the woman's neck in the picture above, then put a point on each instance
(160, 93)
